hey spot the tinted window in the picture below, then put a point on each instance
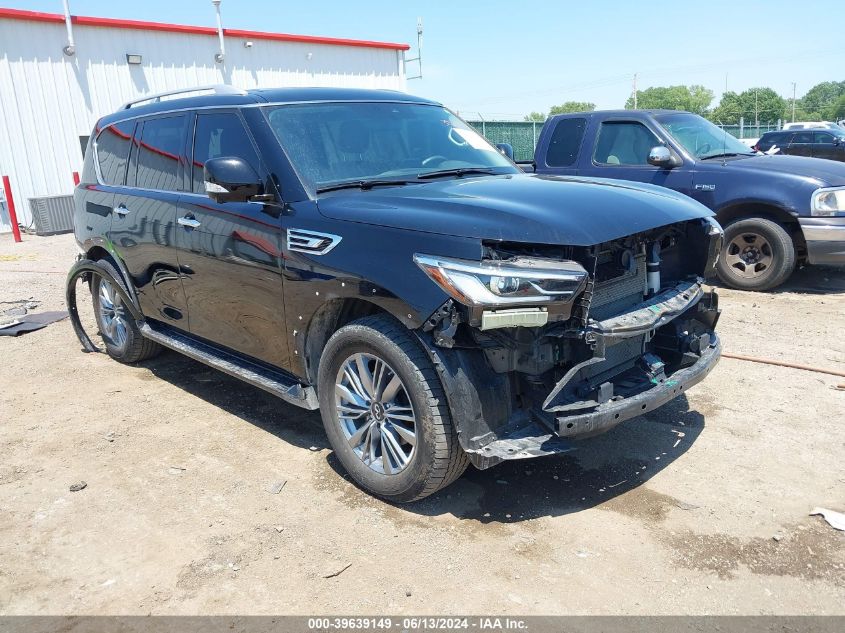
(823, 137)
(216, 135)
(624, 143)
(802, 137)
(158, 153)
(773, 138)
(566, 140)
(113, 150)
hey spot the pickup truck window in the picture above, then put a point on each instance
(701, 138)
(330, 143)
(565, 143)
(624, 143)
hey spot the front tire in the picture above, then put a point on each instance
(758, 255)
(385, 412)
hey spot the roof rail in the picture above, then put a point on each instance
(220, 89)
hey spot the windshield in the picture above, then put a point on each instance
(336, 142)
(701, 138)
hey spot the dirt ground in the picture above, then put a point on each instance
(700, 507)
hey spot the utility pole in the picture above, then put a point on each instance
(756, 110)
(418, 58)
(635, 91)
(793, 102)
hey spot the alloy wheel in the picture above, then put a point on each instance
(112, 315)
(375, 413)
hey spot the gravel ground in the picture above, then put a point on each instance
(699, 507)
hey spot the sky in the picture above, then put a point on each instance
(502, 59)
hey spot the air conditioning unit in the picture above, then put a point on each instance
(52, 214)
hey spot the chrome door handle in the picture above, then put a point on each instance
(121, 210)
(191, 223)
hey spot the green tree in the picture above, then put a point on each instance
(535, 116)
(821, 100)
(762, 104)
(572, 106)
(837, 111)
(696, 99)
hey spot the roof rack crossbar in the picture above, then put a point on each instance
(220, 89)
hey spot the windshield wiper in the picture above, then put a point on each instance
(362, 184)
(727, 154)
(459, 172)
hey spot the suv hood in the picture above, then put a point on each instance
(518, 208)
(825, 173)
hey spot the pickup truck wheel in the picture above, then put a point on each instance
(385, 412)
(758, 255)
(123, 339)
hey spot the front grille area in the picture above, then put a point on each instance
(610, 298)
(617, 295)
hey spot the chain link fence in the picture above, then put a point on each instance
(521, 135)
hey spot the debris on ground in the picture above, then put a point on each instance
(176, 470)
(31, 322)
(835, 519)
(79, 485)
(339, 571)
(276, 488)
(683, 505)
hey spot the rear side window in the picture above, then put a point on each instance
(565, 143)
(624, 143)
(802, 137)
(158, 153)
(113, 144)
(776, 138)
(219, 134)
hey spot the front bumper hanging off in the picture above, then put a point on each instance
(679, 347)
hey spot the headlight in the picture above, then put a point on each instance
(492, 283)
(828, 201)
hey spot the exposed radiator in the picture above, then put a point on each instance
(52, 214)
(616, 296)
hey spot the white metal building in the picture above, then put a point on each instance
(50, 100)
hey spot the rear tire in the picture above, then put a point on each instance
(123, 340)
(758, 255)
(385, 412)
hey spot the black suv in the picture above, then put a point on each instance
(368, 254)
(822, 143)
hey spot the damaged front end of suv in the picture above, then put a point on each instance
(542, 344)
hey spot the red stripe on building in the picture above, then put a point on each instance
(82, 20)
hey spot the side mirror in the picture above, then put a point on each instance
(660, 156)
(506, 149)
(231, 179)
(837, 140)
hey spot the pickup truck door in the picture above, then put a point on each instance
(826, 145)
(801, 145)
(620, 151)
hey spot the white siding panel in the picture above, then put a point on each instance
(48, 100)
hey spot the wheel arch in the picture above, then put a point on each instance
(770, 211)
(98, 250)
(328, 319)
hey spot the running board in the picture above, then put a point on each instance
(275, 382)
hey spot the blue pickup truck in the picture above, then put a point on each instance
(777, 211)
